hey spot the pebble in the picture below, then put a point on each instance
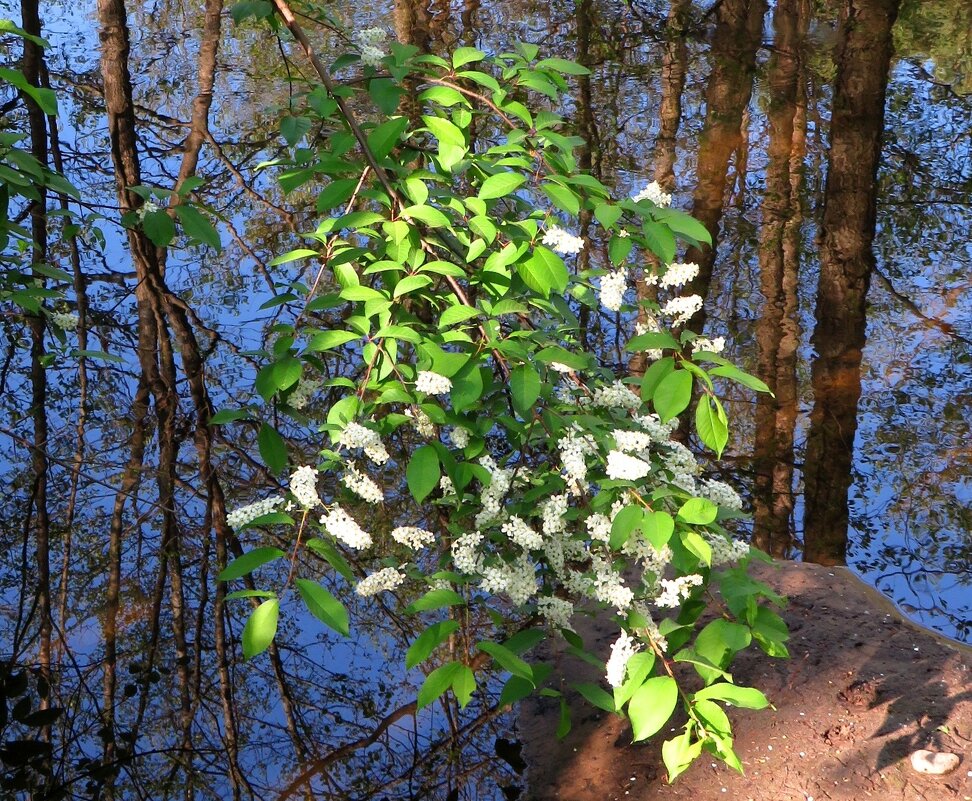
(934, 763)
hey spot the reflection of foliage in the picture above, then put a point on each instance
(939, 30)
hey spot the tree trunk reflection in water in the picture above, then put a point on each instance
(737, 38)
(846, 262)
(778, 329)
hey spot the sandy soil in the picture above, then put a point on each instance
(863, 689)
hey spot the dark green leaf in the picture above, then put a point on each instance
(273, 450)
(428, 641)
(673, 394)
(423, 472)
(324, 606)
(248, 562)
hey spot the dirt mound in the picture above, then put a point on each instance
(863, 690)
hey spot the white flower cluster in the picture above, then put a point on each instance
(518, 531)
(609, 588)
(64, 320)
(459, 436)
(148, 207)
(561, 241)
(432, 383)
(706, 345)
(246, 514)
(356, 435)
(413, 536)
(575, 447)
(556, 611)
(721, 494)
(616, 396)
(680, 459)
(652, 425)
(362, 485)
(725, 551)
(613, 286)
(559, 367)
(674, 591)
(624, 647)
(303, 486)
(518, 580)
(465, 553)
(622, 467)
(598, 527)
(385, 579)
(631, 441)
(422, 423)
(446, 487)
(552, 511)
(678, 274)
(655, 194)
(302, 393)
(369, 42)
(490, 499)
(682, 308)
(343, 527)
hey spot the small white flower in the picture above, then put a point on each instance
(556, 611)
(65, 321)
(465, 553)
(519, 532)
(432, 383)
(386, 579)
(356, 435)
(246, 514)
(303, 486)
(459, 436)
(422, 423)
(613, 286)
(624, 647)
(343, 527)
(559, 367)
(674, 591)
(682, 309)
(413, 536)
(558, 239)
(362, 485)
(622, 467)
(706, 345)
(369, 43)
(655, 194)
(678, 274)
(302, 393)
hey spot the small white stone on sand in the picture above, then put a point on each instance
(934, 763)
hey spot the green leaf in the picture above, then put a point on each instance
(562, 65)
(673, 394)
(233, 596)
(515, 690)
(654, 375)
(197, 227)
(435, 599)
(563, 727)
(698, 512)
(463, 685)
(45, 98)
(248, 562)
(658, 528)
(544, 271)
(432, 217)
(607, 214)
(712, 430)
(770, 632)
(735, 374)
(260, 629)
(624, 523)
(563, 198)
(224, 416)
(324, 606)
(273, 450)
(382, 140)
(467, 386)
(286, 372)
(524, 389)
(444, 96)
(500, 185)
(423, 472)
(326, 550)
(466, 55)
(437, 682)
(652, 340)
(445, 131)
(428, 641)
(651, 706)
(336, 193)
(326, 340)
(619, 248)
(159, 228)
(293, 255)
(411, 283)
(505, 657)
(292, 129)
(679, 753)
(744, 697)
(457, 314)
(596, 696)
(682, 223)
(659, 240)
(385, 93)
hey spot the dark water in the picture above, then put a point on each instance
(731, 106)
